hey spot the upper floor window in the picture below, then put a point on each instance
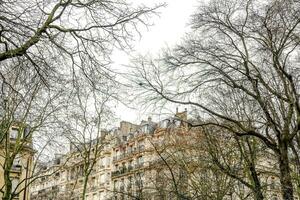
(145, 129)
(165, 123)
(140, 160)
(272, 184)
(107, 161)
(17, 162)
(102, 178)
(177, 122)
(15, 183)
(274, 198)
(14, 133)
(129, 149)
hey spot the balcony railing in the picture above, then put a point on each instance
(93, 188)
(124, 170)
(129, 153)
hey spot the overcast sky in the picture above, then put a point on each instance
(167, 30)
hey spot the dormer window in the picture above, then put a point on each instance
(165, 123)
(145, 129)
(177, 122)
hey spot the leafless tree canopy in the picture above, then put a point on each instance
(52, 53)
(240, 66)
(58, 37)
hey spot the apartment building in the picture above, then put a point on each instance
(16, 158)
(63, 178)
(137, 166)
(151, 160)
(125, 169)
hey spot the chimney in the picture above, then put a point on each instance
(149, 119)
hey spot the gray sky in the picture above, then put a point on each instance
(167, 30)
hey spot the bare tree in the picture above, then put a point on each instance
(237, 158)
(239, 66)
(88, 115)
(27, 106)
(45, 47)
(57, 36)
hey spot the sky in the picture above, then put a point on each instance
(168, 29)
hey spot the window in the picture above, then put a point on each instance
(14, 133)
(26, 132)
(145, 129)
(122, 185)
(15, 183)
(101, 196)
(140, 161)
(165, 123)
(129, 149)
(129, 183)
(115, 185)
(130, 166)
(107, 162)
(272, 184)
(274, 198)
(177, 123)
(102, 178)
(101, 163)
(107, 179)
(17, 162)
(139, 180)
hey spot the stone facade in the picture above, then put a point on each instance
(20, 173)
(126, 169)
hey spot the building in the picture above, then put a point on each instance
(138, 166)
(151, 160)
(16, 161)
(120, 171)
(63, 178)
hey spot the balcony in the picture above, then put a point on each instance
(129, 153)
(55, 188)
(128, 169)
(102, 184)
(93, 188)
(139, 165)
(41, 191)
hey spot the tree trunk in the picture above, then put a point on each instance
(257, 186)
(285, 176)
(8, 185)
(84, 188)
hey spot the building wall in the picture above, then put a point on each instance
(20, 172)
(133, 166)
